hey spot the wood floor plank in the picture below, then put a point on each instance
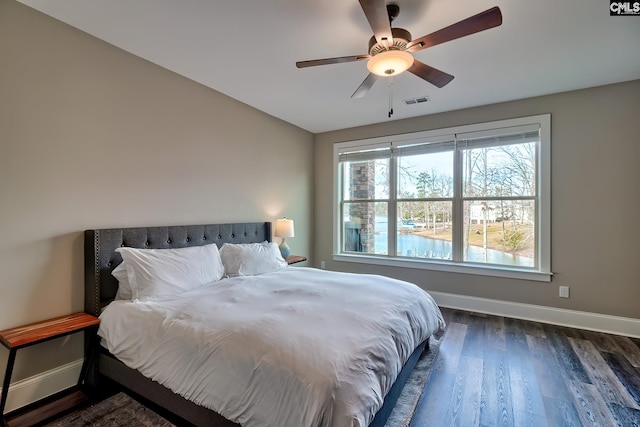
(530, 420)
(615, 344)
(451, 347)
(516, 337)
(432, 409)
(460, 316)
(474, 338)
(627, 374)
(534, 329)
(548, 372)
(496, 407)
(561, 413)
(494, 333)
(624, 416)
(573, 332)
(465, 408)
(601, 374)
(592, 409)
(528, 407)
(570, 365)
(629, 350)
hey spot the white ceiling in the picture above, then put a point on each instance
(248, 49)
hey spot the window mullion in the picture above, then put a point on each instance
(538, 214)
(340, 195)
(392, 213)
(457, 240)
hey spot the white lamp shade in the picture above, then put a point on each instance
(390, 63)
(284, 228)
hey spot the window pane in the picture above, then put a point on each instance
(366, 227)
(425, 175)
(424, 230)
(500, 232)
(366, 179)
(506, 171)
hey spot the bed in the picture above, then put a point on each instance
(102, 256)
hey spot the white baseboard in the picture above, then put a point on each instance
(32, 389)
(576, 319)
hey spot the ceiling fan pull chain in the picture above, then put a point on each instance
(390, 97)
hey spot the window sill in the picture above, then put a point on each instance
(481, 270)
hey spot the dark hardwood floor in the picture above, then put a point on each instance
(498, 371)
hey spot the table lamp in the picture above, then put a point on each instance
(284, 229)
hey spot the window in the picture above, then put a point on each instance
(471, 199)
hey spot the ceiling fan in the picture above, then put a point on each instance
(390, 49)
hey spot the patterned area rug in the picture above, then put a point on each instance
(408, 401)
(116, 411)
(123, 411)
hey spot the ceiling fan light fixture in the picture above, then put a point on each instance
(390, 63)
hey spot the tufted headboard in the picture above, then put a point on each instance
(100, 257)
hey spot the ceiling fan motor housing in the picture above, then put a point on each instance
(401, 39)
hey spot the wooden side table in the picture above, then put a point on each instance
(292, 259)
(34, 333)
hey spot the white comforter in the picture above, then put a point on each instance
(298, 347)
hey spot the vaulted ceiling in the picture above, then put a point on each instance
(248, 49)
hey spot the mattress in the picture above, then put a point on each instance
(296, 347)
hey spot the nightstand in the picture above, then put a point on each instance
(35, 333)
(292, 259)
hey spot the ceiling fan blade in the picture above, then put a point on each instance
(378, 17)
(314, 62)
(364, 87)
(432, 75)
(482, 21)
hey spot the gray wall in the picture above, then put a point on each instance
(91, 136)
(595, 201)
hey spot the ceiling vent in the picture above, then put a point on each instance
(418, 100)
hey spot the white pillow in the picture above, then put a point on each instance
(248, 259)
(124, 288)
(162, 272)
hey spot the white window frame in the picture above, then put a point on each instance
(541, 273)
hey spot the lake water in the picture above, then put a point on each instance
(412, 245)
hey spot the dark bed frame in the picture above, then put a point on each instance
(101, 286)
